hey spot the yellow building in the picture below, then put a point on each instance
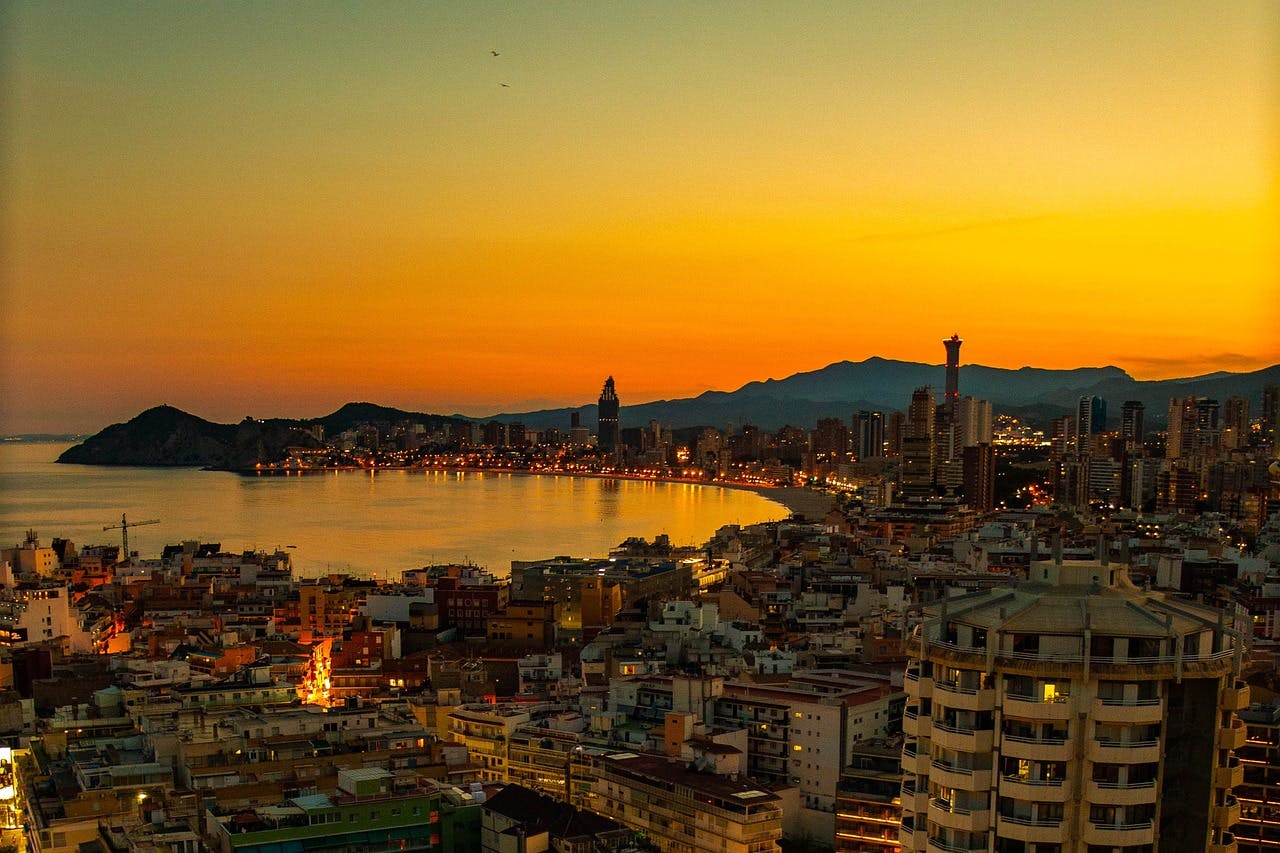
(1074, 712)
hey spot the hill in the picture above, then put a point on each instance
(168, 436)
(881, 384)
(165, 436)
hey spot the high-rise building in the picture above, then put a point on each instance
(1091, 419)
(980, 477)
(868, 801)
(974, 422)
(1193, 426)
(1062, 435)
(895, 430)
(830, 439)
(947, 473)
(921, 414)
(1235, 423)
(1073, 712)
(1271, 413)
(952, 398)
(1132, 413)
(918, 444)
(607, 428)
(1181, 414)
(1259, 828)
(868, 434)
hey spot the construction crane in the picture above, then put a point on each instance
(124, 526)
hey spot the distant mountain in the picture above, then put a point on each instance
(167, 436)
(353, 415)
(881, 384)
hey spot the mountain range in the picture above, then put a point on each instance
(880, 384)
(167, 436)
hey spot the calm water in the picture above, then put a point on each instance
(367, 523)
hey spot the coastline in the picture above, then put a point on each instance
(322, 552)
(812, 504)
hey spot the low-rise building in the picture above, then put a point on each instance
(684, 811)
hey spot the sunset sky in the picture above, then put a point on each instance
(274, 208)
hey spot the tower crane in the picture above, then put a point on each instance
(124, 526)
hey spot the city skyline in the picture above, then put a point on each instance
(277, 210)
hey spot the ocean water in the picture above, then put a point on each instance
(369, 523)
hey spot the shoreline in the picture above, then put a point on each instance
(785, 501)
(811, 504)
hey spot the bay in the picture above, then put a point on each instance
(369, 523)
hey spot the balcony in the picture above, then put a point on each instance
(1035, 790)
(1232, 736)
(964, 698)
(1227, 815)
(1029, 708)
(1036, 749)
(1230, 775)
(1133, 712)
(958, 818)
(1124, 752)
(939, 843)
(965, 740)
(913, 724)
(1234, 697)
(1224, 843)
(920, 689)
(1030, 831)
(960, 778)
(915, 762)
(1119, 834)
(1122, 794)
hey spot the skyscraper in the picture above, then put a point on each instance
(974, 422)
(607, 413)
(980, 477)
(1091, 419)
(1193, 426)
(1132, 413)
(918, 444)
(952, 398)
(868, 434)
(1073, 712)
(1271, 413)
(1235, 423)
(830, 439)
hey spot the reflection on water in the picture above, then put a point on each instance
(376, 523)
(606, 501)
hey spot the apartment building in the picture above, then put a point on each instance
(1074, 711)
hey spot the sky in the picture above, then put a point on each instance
(271, 209)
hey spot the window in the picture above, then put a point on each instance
(1055, 692)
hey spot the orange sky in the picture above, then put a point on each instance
(273, 209)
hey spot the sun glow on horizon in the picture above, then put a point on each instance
(242, 209)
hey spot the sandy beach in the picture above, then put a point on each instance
(813, 505)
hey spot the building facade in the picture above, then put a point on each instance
(607, 426)
(1074, 712)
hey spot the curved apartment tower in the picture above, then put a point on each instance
(1072, 712)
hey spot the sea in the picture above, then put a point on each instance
(368, 523)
